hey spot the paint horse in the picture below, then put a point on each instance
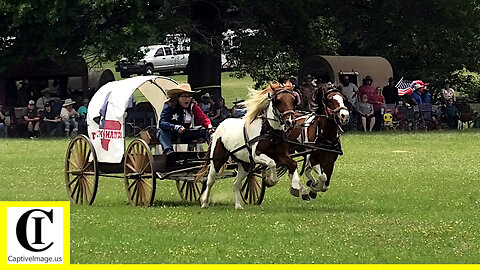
(258, 138)
(317, 134)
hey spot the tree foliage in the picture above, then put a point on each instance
(423, 39)
(467, 83)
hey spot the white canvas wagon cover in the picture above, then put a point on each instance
(106, 112)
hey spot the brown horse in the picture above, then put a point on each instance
(320, 131)
(257, 138)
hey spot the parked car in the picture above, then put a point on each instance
(158, 58)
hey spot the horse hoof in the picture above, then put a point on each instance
(306, 197)
(312, 194)
(309, 183)
(238, 207)
(294, 192)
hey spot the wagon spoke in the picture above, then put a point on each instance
(74, 180)
(148, 184)
(134, 191)
(194, 191)
(245, 184)
(254, 193)
(76, 185)
(73, 163)
(131, 167)
(139, 190)
(131, 185)
(88, 155)
(85, 191)
(198, 189)
(79, 193)
(147, 164)
(183, 186)
(130, 160)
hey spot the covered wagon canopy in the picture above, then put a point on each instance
(107, 111)
(330, 68)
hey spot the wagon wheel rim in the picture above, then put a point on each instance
(139, 174)
(81, 174)
(253, 189)
(190, 191)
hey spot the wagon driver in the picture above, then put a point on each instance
(179, 115)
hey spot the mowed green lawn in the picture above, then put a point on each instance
(394, 198)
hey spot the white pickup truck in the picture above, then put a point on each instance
(158, 58)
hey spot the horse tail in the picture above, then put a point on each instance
(206, 165)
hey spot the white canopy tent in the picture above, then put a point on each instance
(106, 112)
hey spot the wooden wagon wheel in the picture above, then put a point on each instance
(139, 174)
(253, 189)
(190, 191)
(81, 173)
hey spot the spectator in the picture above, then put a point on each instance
(32, 120)
(365, 111)
(24, 93)
(308, 91)
(366, 87)
(221, 112)
(83, 110)
(426, 97)
(51, 123)
(68, 116)
(350, 90)
(378, 103)
(206, 104)
(451, 114)
(82, 120)
(416, 97)
(2, 121)
(238, 109)
(43, 99)
(390, 92)
(448, 93)
(179, 114)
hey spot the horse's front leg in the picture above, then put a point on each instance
(271, 171)
(296, 187)
(317, 185)
(237, 185)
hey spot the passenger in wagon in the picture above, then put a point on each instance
(179, 114)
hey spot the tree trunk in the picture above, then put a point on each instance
(204, 63)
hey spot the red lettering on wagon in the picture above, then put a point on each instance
(111, 131)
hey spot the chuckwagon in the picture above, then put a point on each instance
(103, 152)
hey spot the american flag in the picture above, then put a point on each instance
(404, 87)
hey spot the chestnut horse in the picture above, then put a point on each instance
(320, 131)
(256, 138)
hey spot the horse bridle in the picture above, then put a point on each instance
(332, 113)
(277, 113)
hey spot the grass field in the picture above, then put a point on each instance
(394, 198)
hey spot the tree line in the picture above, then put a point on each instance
(422, 39)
